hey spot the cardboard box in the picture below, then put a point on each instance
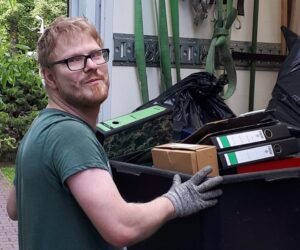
(186, 158)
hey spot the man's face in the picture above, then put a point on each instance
(81, 89)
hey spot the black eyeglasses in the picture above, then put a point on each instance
(75, 63)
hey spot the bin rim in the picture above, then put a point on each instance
(268, 175)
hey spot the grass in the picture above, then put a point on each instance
(9, 173)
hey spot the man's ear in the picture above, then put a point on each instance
(49, 77)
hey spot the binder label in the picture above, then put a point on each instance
(248, 155)
(227, 141)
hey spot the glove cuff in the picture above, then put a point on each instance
(176, 203)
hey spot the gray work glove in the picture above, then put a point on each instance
(195, 194)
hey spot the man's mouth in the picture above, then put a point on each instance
(93, 81)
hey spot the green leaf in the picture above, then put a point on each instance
(12, 3)
(4, 81)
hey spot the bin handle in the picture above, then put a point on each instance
(137, 170)
(281, 176)
(126, 168)
(267, 176)
(128, 171)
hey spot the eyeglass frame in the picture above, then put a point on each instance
(86, 57)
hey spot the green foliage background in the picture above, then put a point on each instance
(22, 94)
(9, 173)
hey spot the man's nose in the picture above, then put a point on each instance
(90, 64)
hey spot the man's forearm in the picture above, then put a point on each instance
(135, 222)
(149, 217)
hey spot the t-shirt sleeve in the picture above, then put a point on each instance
(73, 148)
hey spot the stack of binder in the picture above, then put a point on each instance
(250, 146)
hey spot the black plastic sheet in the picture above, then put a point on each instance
(286, 93)
(196, 101)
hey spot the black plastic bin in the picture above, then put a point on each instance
(257, 211)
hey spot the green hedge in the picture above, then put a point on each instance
(22, 95)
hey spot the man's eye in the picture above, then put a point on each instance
(75, 59)
(97, 54)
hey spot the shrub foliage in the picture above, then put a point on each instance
(22, 95)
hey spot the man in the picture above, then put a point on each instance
(64, 195)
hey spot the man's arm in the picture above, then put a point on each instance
(123, 224)
(120, 223)
(11, 205)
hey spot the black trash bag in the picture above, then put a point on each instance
(196, 101)
(286, 94)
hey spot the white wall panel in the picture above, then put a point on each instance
(125, 95)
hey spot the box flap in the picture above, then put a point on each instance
(182, 146)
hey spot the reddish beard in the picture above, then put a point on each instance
(89, 98)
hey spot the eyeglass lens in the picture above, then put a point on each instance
(78, 62)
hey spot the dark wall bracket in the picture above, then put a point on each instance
(193, 53)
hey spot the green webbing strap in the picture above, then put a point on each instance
(175, 29)
(253, 50)
(164, 47)
(139, 50)
(221, 42)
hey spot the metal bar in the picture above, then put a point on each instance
(193, 53)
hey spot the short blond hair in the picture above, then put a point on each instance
(63, 27)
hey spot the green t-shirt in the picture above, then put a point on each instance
(56, 146)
